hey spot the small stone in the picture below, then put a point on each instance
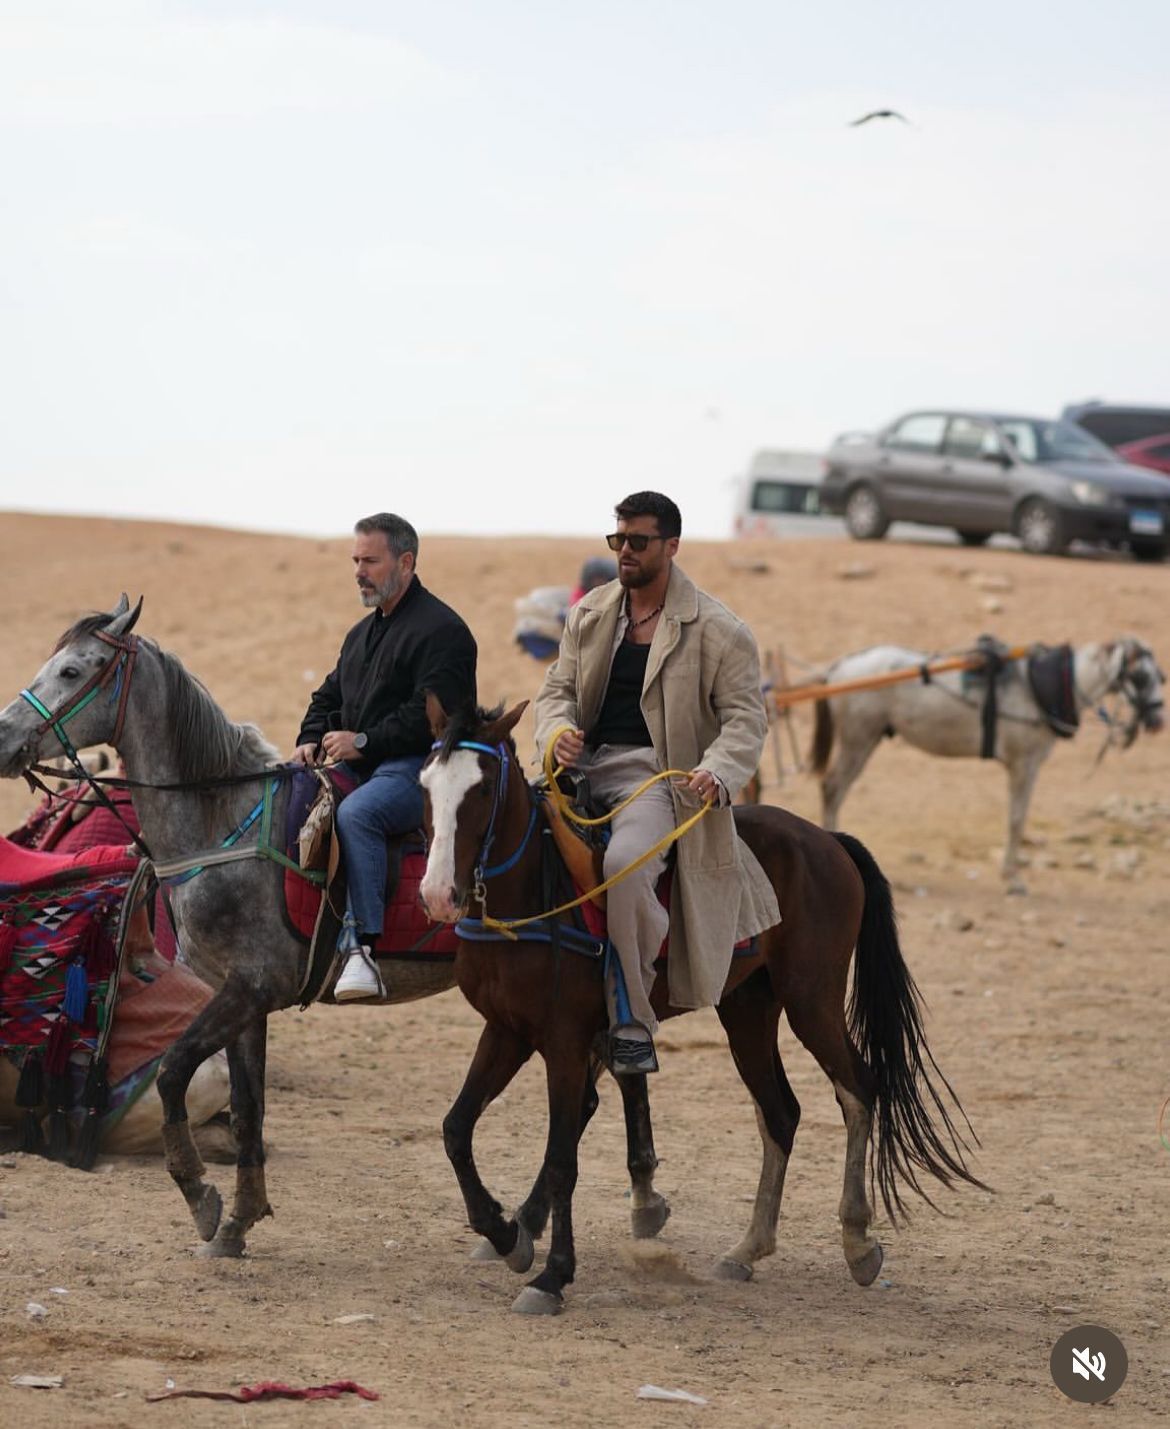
(352, 1319)
(1047, 1199)
(992, 605)
(856, 571)
(1065, 1310)
(35, 1311)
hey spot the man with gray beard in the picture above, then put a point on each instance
(371, 713)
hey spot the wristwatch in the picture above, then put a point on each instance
(360, 741)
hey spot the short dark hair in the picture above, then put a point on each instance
(652, 503)
(400, 534)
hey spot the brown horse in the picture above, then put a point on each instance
(537, 996)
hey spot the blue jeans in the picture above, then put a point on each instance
(389, 802)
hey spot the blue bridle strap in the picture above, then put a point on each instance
(500, 752)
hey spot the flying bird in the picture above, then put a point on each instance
(878, 114)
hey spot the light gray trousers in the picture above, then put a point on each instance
(637, 921)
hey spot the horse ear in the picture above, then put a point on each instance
(506, 723)
(124, 618)
(437, 716)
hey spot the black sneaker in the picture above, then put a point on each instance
(631, 1050)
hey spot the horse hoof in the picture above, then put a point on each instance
(647, 1221)
(532, 1301)
(223, 1248)
(522, 1254)
(485, 1250)
(865, 1270)
(728, 1269)
(207, 1212)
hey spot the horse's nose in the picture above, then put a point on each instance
(441, 905)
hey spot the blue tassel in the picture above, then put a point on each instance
(76, 992)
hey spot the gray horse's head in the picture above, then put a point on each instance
(1142, 682)
(67, 686)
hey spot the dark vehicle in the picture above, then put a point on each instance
(1046, 482)
(1139, 435)
(1153, 453)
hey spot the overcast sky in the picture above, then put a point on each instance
(495, 263)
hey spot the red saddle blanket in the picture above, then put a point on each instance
(58, 920)
(407, 931)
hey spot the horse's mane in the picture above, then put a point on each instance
(208, 745)
(466, 723)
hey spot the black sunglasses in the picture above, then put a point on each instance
(634, 540)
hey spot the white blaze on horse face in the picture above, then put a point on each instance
(447, 782)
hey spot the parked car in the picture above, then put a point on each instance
(1139, 435)
(1046, 482)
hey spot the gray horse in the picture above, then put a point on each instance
(943, 717)
(104, 685)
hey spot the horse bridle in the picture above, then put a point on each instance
(481, 871)
(1133, 683)
(118, 670)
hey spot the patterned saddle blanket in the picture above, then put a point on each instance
(407, 931)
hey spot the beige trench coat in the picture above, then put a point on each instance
(702, 704)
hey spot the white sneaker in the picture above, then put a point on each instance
(359, 978)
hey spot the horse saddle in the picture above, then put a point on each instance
(311, 842)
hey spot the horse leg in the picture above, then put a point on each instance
(220, 1022)
(498, 1057)
(855, 745)
(567, 1074)
(246, 1061)
(648, 1210)
(1022, 773)
(826, 1036)
(751, 1019)
(534, 1212)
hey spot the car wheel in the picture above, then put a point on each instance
(974, 538)
(864, 518)
(1149, 550)
(1040, 528)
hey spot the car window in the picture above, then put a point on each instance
(967, 437)
(1160, 450)
(784, 496)
(1034, 440)
(920, 433)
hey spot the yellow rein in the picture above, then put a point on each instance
(565, 809)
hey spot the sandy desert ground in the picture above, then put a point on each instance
(1046, 1011)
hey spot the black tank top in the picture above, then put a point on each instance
(621, 720)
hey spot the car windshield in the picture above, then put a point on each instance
(1034, 441)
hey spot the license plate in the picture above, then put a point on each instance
(1146, 523)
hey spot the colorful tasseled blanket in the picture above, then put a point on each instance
(60, 917)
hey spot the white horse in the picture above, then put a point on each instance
(944, 716)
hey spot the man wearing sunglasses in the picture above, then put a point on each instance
(654, 674)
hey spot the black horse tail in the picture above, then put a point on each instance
(822, 745)
(914, 1132)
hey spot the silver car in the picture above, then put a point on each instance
(1046, 482)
